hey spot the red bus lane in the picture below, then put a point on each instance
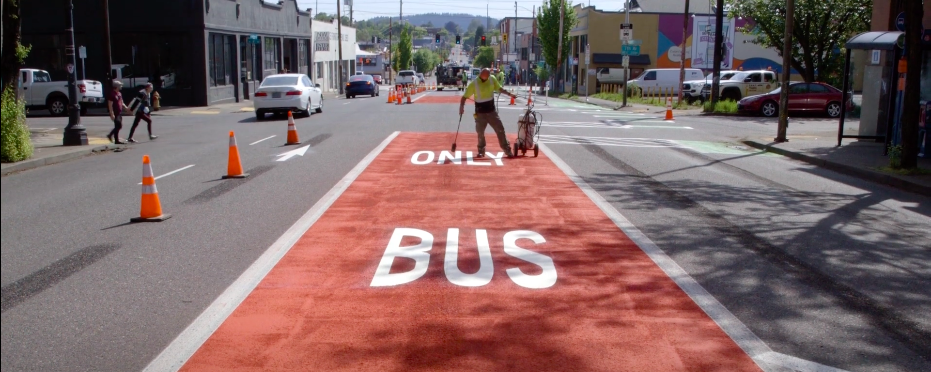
(466, 264)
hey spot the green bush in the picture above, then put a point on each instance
(723, 107)
(15, 144)
(633, 90)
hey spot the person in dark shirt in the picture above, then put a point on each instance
(143, 112)
(116, 106)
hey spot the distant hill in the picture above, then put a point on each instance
(439, 20)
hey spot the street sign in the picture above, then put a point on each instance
(625, 62)
(630, 50)
(588, 54)
(253, 39)
(70, 68)
(634, 42)
(627, 31)
(82, 52)
(900, 22)
(541, 64)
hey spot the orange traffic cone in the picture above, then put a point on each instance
(390, 96)
(234, 165)
(151, 209)
(529, 96)
(512, 101)
(398, 96)
(292, 131)
(409, 97)
(669, 109)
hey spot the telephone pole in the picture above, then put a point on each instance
(718, 57)
(339, 34)
(562, 16)
(786, 74)
(685, 30)
(350, 13)
(106, 47)
(626, 68)
(390, 67)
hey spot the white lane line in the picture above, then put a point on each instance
(172, 172)
(173, 357)
(421, 96)
(765, 358)
(347, 103)
(263, 139)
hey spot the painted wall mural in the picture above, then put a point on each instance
(742, 53)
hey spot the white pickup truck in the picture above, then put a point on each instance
(744, 84)
(40, 92)
(405, 77)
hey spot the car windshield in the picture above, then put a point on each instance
(359, 78)
(280, 81)
(738, 76)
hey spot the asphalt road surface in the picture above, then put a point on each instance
(662, 246)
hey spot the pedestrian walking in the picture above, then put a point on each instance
(143, 112)
(486, 114)
(116, 106)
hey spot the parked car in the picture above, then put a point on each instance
(744, 84)
(40, 92)
(361, 84)
(124, 73)
(378, 79)
(803, 97)
(666, 79)
(405, 77)
(421, 79)
(287, 92)
(611, 76)
(691, 89)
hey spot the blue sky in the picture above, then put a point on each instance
(365, 9)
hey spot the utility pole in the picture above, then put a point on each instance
(390, 68)
(685, 30)
(350, 13)
(786, 74)
(718, 40)
(75, 134)
(515, 41)
(562, 16)
(107, 57)
(626, 68)
(401, 13)
(339, 34)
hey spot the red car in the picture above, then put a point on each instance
(803, 98)
(377, 79)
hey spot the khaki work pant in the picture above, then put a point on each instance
(491, 118)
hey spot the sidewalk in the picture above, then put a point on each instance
(49, 150)
(859, 159)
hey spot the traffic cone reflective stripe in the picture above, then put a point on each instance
(409, 98)
(529, 96)
(150, 209)
(292, 131)
(397, 96)
(234, 165)
(669, 109)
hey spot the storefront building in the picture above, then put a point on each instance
(195, 52)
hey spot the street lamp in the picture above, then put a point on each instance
(75, 133)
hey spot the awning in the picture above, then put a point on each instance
(876, 40)
(617, 59)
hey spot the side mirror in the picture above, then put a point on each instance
(316, 85)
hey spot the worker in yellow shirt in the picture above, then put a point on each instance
(484, 89)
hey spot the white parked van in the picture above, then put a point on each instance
(664, 79)
(611, 76)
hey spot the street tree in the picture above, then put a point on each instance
(14, 52)
(452, 27)
(474, 25)
(322, 16)
(479, 32)
(548, 29)
(405, 50)
(820, 30)
(485, 57)
(425, 60)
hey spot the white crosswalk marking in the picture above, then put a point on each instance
(608, 141)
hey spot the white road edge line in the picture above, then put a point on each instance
(263, 139)
(176, 354)
(422, 95)
(765, 358)
(172, 172)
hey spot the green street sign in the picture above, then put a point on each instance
(630, 50)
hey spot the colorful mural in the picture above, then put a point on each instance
(746, 55)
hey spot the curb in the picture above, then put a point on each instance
(861, 173)
(36, 163)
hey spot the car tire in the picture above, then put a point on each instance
(834, 109)
(320, 107)
(83, 110)
(57, 106)
(259, 115)
(307, 112)
(769, 109)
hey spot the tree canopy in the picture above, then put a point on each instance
(548, 26)
(821, 28)
(485, 57)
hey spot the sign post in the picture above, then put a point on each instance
(82, 54)
(627, 34)
(588, 67)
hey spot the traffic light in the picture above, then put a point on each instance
(504, 37)
(458, 39)
(437, 38)
(483, 40)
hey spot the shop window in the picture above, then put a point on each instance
(220, 59)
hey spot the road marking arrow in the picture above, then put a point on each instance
(290, 154)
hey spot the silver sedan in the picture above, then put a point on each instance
(287, 92)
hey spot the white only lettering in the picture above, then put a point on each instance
(421, 256)
(383, 276)
(455, 158)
